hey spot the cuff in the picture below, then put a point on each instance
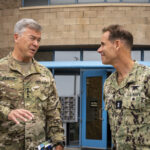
(4, 111)
(60, 143)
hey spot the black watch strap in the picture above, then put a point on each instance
(60, 143)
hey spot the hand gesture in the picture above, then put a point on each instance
(20, 114)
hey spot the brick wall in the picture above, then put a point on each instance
(9, 4)
(9, 10)
(75, 24)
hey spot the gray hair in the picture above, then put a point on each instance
(24, 23)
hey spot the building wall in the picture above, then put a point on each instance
(78, 24)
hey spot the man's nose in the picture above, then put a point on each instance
(99, 50)
(36, 43)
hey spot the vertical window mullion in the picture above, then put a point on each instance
(22, 2)
(76, 2)
(81, 55)
(142, 55)
(49, 2)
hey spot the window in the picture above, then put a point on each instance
(67, 55)
(91, 56)
(90, 1)
(71, 82)
(147, 55)
(44, 56)
(64, 2)
(113, 1)
(136, 55)
(135, 1)
(58, 2)
(35, 2)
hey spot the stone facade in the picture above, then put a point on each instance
(78, 24)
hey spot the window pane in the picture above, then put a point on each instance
(91, 55)
(71, 82)
(43, 56)
(90, 1)
(136, 1)
(146, 55)
(113, 1)
(57, 2)
(94, 108)
(67, 56)
(136, 55)
(73, 133)
(35, 2)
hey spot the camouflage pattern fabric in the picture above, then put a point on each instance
(128, 106)
(35, 92)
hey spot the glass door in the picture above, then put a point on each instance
(94, 117)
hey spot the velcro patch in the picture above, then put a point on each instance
(118, 104)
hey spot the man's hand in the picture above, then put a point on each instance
(59, 147)
(20, 114)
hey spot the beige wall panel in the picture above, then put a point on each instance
(9, 4)
(76, 14)
(75, 24)
(89, 27)
(90, 14)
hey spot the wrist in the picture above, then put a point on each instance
(60, 143)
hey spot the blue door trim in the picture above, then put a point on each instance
(85, 142)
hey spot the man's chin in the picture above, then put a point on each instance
(31, 55)
(105, 63)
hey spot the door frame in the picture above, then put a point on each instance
(87, 142)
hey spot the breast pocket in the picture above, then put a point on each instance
(41, 94)
(136, 99)
(134, 105)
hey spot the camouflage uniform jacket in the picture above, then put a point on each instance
(35, 92)
(128, 106)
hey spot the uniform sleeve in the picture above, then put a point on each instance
(147, 86)
(54, 123)
(106, 108)
(104, 96)
(4, 111)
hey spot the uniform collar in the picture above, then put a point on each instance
(131, 78)
(14, 66)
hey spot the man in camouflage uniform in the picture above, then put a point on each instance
(29, 104)
(126, 91)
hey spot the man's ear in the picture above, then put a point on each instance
(117, 44)
(16, 36)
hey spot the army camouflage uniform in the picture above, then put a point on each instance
(35, 92)
(128, 106)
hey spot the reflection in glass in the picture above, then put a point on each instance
(90, 1)
(35, 2)
(136, 55)
(94, 108)
(135, 1)
(147, 55)
(67, 55)
(57, 2)
(91, 56)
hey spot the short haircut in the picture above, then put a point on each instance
(118, 32)
(24, 23)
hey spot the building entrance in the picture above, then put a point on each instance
(94, 117)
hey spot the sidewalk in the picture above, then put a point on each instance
(82, 149)
(72, 148)
(66, 148)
